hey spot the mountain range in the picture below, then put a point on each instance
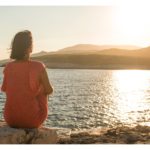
(88, 56)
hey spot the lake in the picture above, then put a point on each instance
(85, 98)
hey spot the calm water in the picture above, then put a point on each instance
(93, 98)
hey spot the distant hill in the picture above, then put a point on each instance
(42, 53)
(89, 48)
(95, 58)
(93, 61)
(39, 54)
(111, 50)
(85, 56)
(143, 52)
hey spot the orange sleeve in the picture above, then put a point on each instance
(3, 87)
(42, 67)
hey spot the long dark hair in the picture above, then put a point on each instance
(21, 42)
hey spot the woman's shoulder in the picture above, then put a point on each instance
(34, 62)
(9, 63)
(37, 64)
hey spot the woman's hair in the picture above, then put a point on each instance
(20, 44)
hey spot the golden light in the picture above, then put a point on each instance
(131, 86)
(131, 80)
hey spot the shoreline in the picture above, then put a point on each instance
(101, 135)
(118, 135)
(146, 69)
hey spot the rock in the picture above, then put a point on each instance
(132, 138)
(64, 135)
(44, 135)
(111, 132)
(41, 135)
(144, 129)
(11, 136)
(79, 134)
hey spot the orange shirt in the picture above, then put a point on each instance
(26, 104)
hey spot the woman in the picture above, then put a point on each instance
(26, 85)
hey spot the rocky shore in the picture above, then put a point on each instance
(44, 135)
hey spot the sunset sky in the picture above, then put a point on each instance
(56, 27)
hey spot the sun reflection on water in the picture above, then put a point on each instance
(131, 87)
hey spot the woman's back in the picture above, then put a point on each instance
(26, 104)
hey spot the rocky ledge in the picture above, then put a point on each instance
(119, 135)
(44, 135)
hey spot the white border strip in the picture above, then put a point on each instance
(73, 2)
(55, 2)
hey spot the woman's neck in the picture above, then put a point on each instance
(26, 58)
(22, 60)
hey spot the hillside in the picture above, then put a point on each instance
(112, 50)
(39, 54)
(92, 57)
(139, 53)
(89, 48)
(94, 61)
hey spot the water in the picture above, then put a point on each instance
(94, 98)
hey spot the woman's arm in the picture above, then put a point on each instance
(45, 82)
(3, 86)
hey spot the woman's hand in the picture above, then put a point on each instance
(45, 82)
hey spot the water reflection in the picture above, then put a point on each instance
(96, 98)
(131, 86)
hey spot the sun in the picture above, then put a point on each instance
(132, 22)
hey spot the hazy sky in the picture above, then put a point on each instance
(56, 27)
